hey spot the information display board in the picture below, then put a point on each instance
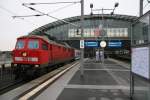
(140, 61)
(114, 44)
(91, 43)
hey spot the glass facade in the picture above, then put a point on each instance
(118, 26)
(98, 32)
(141, 30)
(140, 84)
(110, 27)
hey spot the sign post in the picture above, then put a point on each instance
(82, 39)
(103, 45)
(81, 44)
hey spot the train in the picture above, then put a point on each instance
(33, 53)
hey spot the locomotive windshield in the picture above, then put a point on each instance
(20, 44)
(33, 44)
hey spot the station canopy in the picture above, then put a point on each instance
(115, 26)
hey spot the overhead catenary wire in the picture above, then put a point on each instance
(50, 16)
(148, 1)
(17, 16)
(66, 6)
(50, 3)
(12, 14)
(145, 5)
(37, 15)
(8, 11)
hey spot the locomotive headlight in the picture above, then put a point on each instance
(36, 66)
(24, 54)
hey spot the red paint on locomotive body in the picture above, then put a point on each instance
(39, 50)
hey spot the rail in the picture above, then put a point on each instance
(40, 87)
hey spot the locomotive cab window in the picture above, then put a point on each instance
(44, 46)
(20, 44)
(33, 44)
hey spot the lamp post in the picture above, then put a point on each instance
(103, 45)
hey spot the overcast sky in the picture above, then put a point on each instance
(11, 28)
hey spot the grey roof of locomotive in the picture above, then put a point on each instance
(45, 38)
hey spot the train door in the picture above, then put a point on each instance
(50, 54)
(45, 52)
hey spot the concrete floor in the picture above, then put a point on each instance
(108, 82)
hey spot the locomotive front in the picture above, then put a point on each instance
(28, 57)
(26, 52)
(33, 54)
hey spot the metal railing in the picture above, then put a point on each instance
(6, 70)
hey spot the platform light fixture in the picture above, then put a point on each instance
(116, 5)
(91, 6)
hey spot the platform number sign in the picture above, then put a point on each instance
(81, 43)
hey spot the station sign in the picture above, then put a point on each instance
(91, 43)
(115, 44)
(82, 44)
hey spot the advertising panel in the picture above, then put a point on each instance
(140, 61)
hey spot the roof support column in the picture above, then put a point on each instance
(141, 8)
(82, 38)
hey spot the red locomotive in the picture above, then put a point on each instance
(33, 52)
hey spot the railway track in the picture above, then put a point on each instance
(11, 86)
(51, 77)
(52, 72)
(16, 83)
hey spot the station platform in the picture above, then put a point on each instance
(110, 81)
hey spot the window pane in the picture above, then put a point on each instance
(44, 46)
(33, 44)
(20, 44)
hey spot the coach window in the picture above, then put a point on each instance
(44, 46)
(20, 44)
(33, 44)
